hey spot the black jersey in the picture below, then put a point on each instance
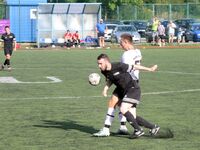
(8, 40)
(119, 75)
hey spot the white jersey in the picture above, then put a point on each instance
(132, 57)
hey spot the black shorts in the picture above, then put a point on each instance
(100, 34)
(8, 50)
(132, 95)
(161, 37)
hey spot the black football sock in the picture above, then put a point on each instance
(130, 118)
(143, 122)
(5, 62)
(123, 123)
(107, 126)
(8, 62)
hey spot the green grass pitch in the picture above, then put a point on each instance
(37, 114)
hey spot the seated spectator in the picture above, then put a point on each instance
(68, 39)
(76, 39)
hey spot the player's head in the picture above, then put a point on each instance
(126, 41)
(103, 62)
(7, 29)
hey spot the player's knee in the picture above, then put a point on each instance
(123, 110)
(112, 103)
(7, 56)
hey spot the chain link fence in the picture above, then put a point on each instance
(147, 11)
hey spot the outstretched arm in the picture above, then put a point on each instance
(151, 69)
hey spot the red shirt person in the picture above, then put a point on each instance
(76, 39)
(68, 38)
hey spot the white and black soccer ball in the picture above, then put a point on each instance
(94, 79)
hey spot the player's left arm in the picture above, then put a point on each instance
(140, 67)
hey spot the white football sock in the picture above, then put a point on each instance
(110, 116)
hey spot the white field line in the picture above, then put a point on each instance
(80, 97)
(168, 72)
(175, 72)
(12, 80)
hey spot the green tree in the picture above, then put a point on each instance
(163, 1)
(109, 6)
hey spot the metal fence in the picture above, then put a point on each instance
(147, 11)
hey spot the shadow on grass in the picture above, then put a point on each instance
(67, 125)
(164, 133)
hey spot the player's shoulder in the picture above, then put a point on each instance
(116, 65)
(132, 52)
(12, 34)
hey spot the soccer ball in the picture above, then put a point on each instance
(94, 79)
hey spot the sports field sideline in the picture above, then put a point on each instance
(47, 103)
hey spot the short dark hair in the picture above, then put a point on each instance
(7, 27)
(127, 37)
(103, 56)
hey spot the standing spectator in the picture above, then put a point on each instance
(171, 31)
(76, 39)
(101, 29)
(180, 35)
(9, 46)
(154, 29)
(161, 34)
(68, 39)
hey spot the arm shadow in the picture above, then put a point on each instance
(67, 125)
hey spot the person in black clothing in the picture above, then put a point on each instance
(127, 90)
(9, 46)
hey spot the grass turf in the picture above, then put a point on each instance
(57, 116)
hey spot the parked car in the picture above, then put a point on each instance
(110, 28)
(121, 29)
(113, 22)
(185, 22)
(140, 25)
(193, 33)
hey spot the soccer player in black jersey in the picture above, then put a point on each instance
(9, 46)
(127, 90)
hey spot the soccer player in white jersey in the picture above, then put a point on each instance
(131, 56)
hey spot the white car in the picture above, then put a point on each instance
(121, 29)
(110, 28)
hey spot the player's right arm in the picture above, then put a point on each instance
(106, 88)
